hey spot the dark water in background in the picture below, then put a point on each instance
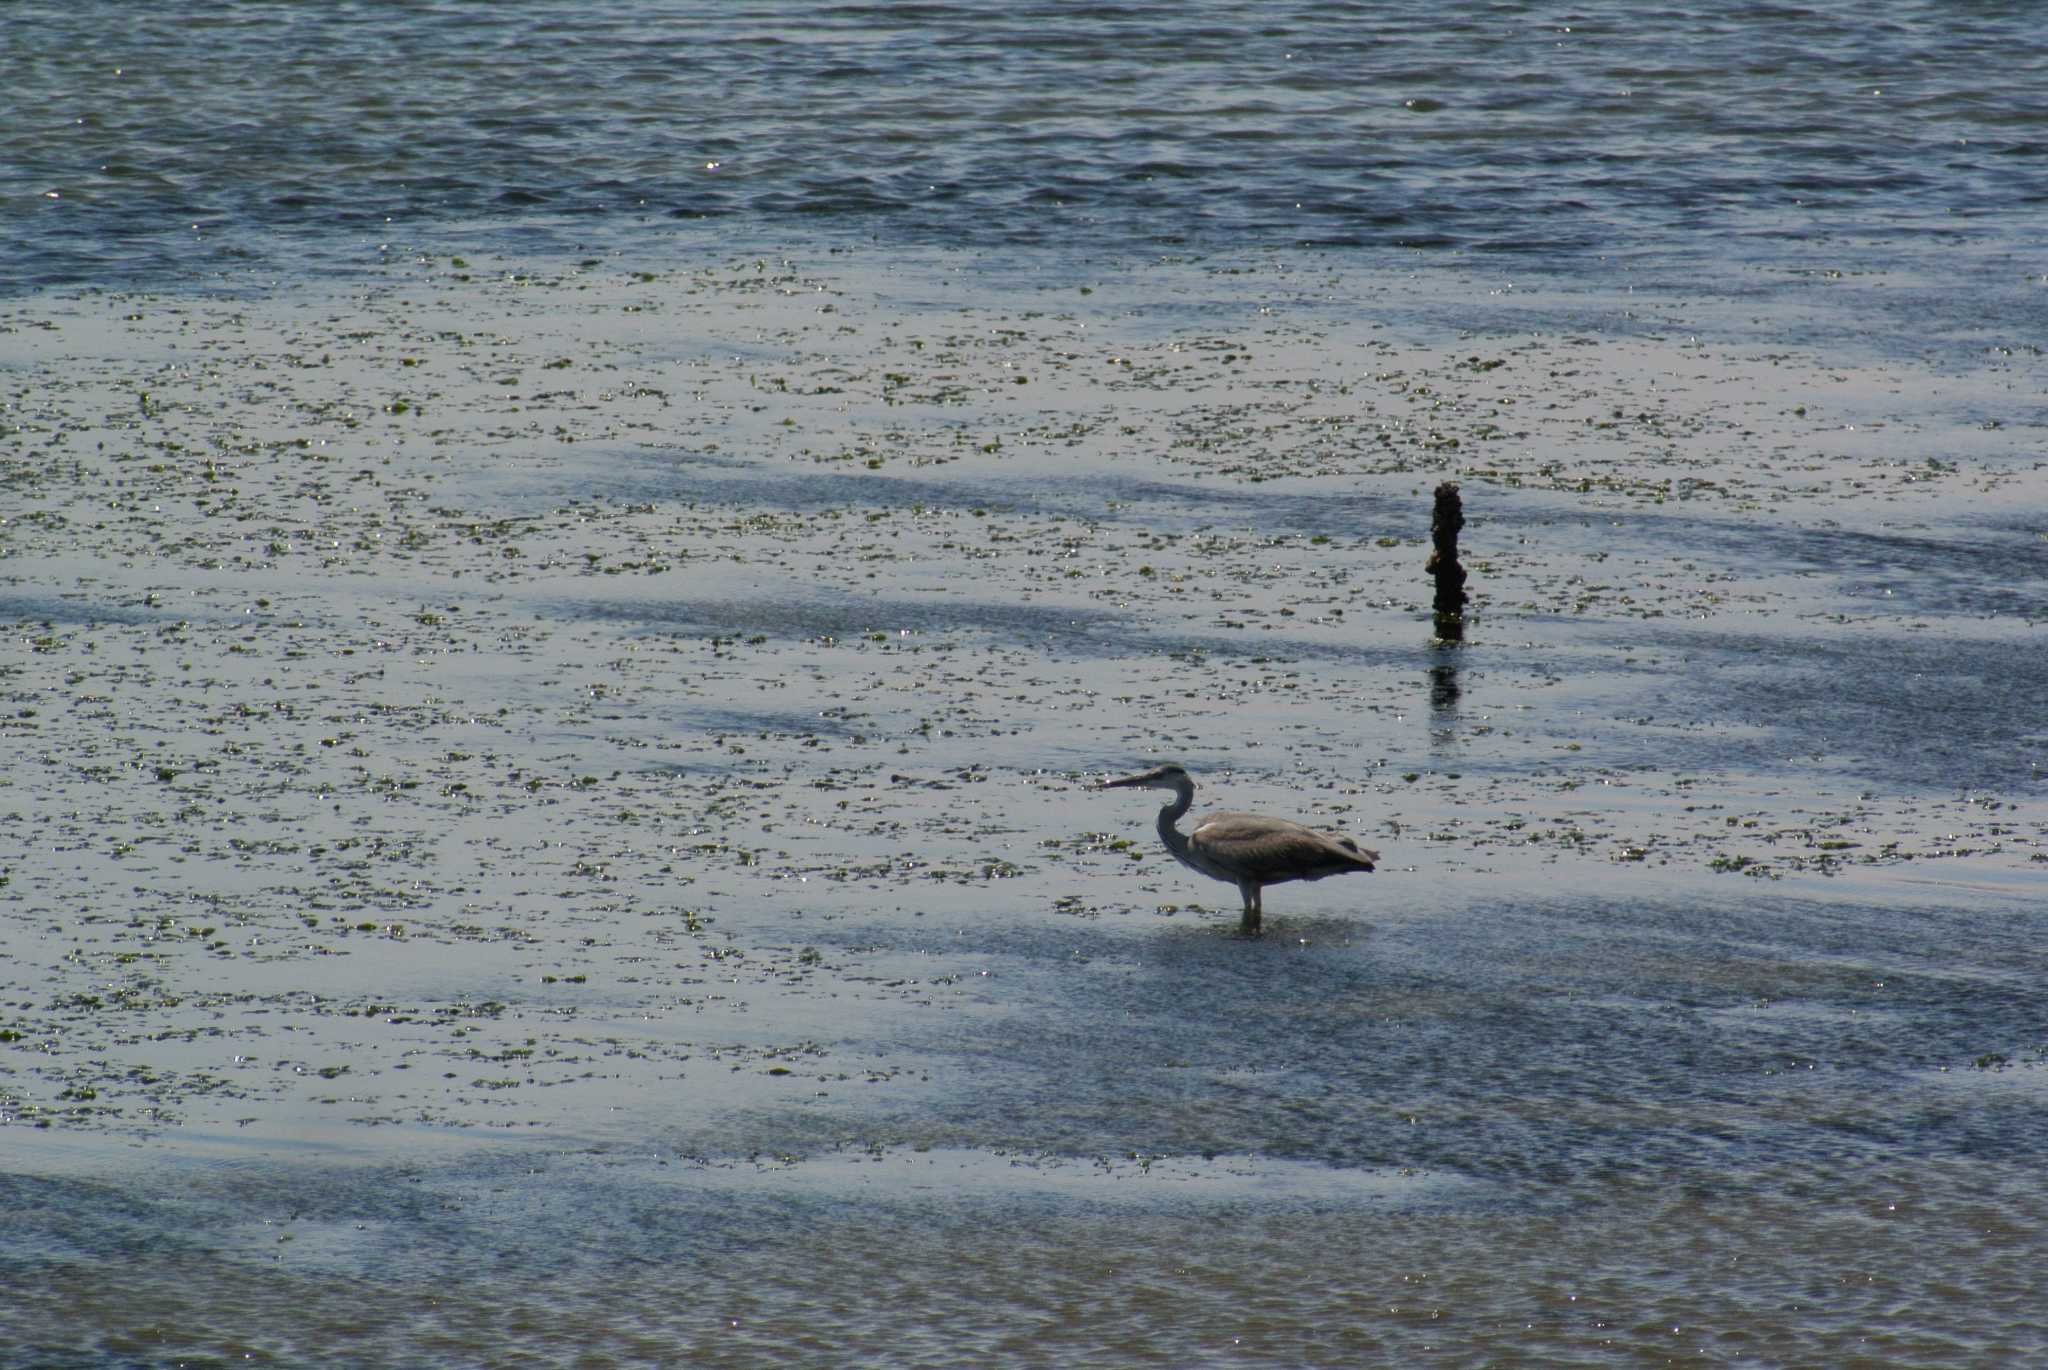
(1896, 137)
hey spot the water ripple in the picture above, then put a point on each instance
(1110, 124)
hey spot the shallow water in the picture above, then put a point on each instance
(485, 859)
(552, 808)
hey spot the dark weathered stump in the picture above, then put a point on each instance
(1443, 562)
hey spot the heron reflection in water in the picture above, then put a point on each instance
(1248, 850)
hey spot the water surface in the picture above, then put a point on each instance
(571, 572)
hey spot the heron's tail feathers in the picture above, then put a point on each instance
(1367, 858)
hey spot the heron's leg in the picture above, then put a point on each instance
(1254, 909)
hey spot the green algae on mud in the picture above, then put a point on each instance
(464, 699)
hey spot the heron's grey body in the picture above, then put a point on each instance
(1247, 850)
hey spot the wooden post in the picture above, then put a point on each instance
(1443, 562)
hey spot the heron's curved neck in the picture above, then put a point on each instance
(1183, 799)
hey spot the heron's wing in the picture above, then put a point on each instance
(1268, 850)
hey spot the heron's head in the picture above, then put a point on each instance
(1171, 776)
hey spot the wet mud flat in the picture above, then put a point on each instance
(580, 779)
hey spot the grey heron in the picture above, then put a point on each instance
(1248, 850)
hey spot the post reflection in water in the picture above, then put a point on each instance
(1443, 688)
